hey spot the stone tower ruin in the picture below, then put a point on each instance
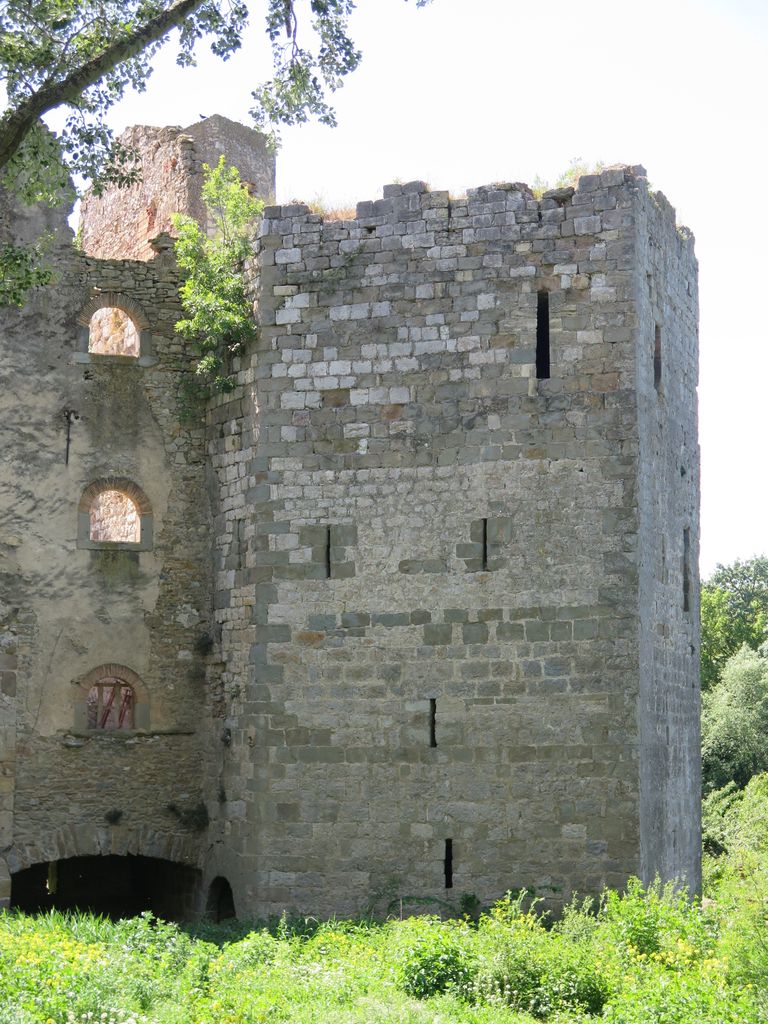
(413, 613)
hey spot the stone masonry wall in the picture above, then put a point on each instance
(668, 473)
(70, 420)
(113, 516)
(424, 544)
(112, 332)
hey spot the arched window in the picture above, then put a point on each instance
(113, 324)
(111, 698)
(114, 512)
(110, 704)
(113, 516)
(111, 332)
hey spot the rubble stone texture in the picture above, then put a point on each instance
(451, 604)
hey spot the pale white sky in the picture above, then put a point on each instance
(464, 93)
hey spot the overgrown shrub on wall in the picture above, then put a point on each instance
(219, 320)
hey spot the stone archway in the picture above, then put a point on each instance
(125, 488)
(117, 872)
(220, 903)
(116, 300)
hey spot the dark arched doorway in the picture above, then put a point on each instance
(113, 886)
(221, 903)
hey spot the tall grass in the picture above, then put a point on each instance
(644, 956)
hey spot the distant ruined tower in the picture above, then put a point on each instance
(413, 613)
(120, 223)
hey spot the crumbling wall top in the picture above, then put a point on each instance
(400, 201)
(122, 222)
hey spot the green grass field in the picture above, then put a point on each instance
(642, 957)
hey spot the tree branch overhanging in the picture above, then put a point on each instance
(16, 123)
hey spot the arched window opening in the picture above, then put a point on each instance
(114, 513)
(112, 332)
(111, 698)
(113, 516)
(221, 903)
(110, 705)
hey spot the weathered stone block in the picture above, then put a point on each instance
(436, 633)
(474, 633)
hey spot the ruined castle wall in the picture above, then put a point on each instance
(70, 604)
(449, 651)
(120, 223)
(441, 549)
(668, 544)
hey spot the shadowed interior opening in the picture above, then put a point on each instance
(448, 863)
(220, 905)
(328, 562)
(113, 886)
(542, 336)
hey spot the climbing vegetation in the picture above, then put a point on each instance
(219, 318)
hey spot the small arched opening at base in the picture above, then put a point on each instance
(220, 905)
(111, 885)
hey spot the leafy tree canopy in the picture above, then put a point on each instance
(734, 612)
(736, 819)
(80, 56)
(21, 268)
(734, 724)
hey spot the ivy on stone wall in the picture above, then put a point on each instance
(219, 318)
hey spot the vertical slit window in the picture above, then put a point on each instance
(239, 542)
(542, 336)
(686, 570)
(448, 863)
(657, 359)
(485, 546)
(328, 552)
(432, 722)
